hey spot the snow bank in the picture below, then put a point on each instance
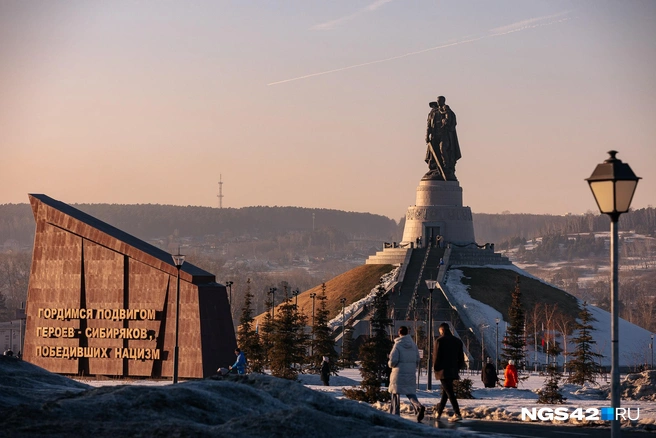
(244, 406)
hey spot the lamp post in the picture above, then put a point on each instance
(313, 295)
(272, 291)
(229, 286)
(295, 292)
(483, 327)
(613, 184)
(343, 302)
(178, 260)
(430, 284)
(496, 350)
(651, 346)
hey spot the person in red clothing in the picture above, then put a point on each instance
(510, 375)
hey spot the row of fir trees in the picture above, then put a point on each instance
(582, 366)
(281, 343)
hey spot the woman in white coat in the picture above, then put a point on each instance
(404, 359)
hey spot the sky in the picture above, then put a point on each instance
(323, 104)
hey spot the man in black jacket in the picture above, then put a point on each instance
(447, 362)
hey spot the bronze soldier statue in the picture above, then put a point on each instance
(442, 147)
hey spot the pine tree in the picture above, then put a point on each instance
(266, 334)
(421, 339)
(583, 365)
(374, 354)
(322, 340)
(4, 312)
(550, 392)
(347, 347)
(514, 340)
(288, 341)
(248, 338)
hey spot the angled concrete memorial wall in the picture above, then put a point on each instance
(102, 302)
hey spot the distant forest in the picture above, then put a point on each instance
(261, 247)
(498, 228)
(150, 221)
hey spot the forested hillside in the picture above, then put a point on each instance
(148, 221)
(498, 228)
(302, 247)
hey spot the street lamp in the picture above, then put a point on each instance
(496, 350)
(483, 327)
(295, 293)
(272, 291)
(429, 362)
(613, 184)
(313, 295)
(343, 302)
(652, 351)
(178, 260)
(229, 286)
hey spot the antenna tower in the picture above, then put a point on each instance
(220, 195)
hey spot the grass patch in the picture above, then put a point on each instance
(352, 285)
(494, 287)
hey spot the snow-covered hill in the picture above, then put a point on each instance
(634, 341)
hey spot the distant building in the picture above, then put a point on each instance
(10, 336)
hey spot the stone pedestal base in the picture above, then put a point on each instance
(439, 212)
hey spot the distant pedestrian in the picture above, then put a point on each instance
(240, 363)
(489, 374)
(325, 371)
(447, 362)
(404, 359)
(510, 375)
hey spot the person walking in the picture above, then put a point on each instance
(489, 374)
(240, 363)
(449, 358)
(325, 371)
(510, 375)
(404, 359)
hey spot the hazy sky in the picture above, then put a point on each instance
(323, 103)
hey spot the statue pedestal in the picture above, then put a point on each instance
(439, 212)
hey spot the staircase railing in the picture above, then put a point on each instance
(415, 292)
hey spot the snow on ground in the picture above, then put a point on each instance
(35, 402)
(501, 403)
(634, 340)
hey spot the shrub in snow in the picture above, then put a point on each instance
(463, 388)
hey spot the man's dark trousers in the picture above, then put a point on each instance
(448, 393)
